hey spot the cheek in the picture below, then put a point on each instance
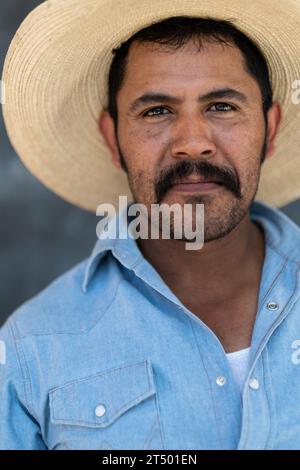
(241, 148)
(143, 149)
(238, 134)
(241, 142)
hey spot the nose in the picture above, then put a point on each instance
(192, 138)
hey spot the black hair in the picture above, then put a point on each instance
(174, 33)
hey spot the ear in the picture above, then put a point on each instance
(107, 129)
(274, 120)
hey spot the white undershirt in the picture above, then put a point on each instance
(239, 361)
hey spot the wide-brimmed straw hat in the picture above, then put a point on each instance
(56, 85)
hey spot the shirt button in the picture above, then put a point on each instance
(254, 384)
(221, 380)
(272, 306)
(100, 411)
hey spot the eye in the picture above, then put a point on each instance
(153, 112)
(222, 107)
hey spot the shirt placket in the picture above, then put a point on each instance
(258, 425)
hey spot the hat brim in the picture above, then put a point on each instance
(56, 72)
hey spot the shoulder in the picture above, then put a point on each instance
(281, 232)
(64, 306)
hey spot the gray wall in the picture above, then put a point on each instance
(41, 236)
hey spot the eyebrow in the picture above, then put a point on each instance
(153, 97)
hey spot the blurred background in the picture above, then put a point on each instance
(41, 236)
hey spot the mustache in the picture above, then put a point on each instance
(203, 169)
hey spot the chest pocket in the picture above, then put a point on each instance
(115, 409)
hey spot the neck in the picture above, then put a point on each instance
(219, 267)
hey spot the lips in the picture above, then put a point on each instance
(195, 181)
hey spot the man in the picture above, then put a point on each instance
(147, 345)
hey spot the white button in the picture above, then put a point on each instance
(272, 306)
(221, 380)
(254, 384)
(100, 411)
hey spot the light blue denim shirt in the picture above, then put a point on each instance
(107, 357)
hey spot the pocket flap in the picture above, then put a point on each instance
(96, 401)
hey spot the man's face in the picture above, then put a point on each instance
(217, 137)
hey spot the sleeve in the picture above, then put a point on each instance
(19, 430)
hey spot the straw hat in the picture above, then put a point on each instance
(56, 82)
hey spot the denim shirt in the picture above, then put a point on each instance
(107, 357)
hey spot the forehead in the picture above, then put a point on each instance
(151, 64)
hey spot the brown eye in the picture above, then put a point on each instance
(222, 107)
(153, 112)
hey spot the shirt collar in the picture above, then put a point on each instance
(281, 233)
(122, 246)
